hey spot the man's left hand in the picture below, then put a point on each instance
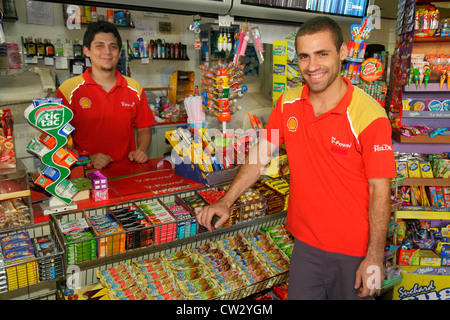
(369, 277)
(138, 156)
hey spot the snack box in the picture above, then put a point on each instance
(112, 240)
(133, 220)
(187, 225)
(429, 258)
(164, 222)
(409, 257)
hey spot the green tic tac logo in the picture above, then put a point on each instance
(50, 117)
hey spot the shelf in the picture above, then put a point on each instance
(432, 87)
(17, 194)
(439, 182)
(397, 136)
(426, 114)
(431, 39)
(224, 232)
(423, 214)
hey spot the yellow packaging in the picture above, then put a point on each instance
(426, 170)
(414, 169)
(429, 258)
(402, 168)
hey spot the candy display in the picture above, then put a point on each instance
(81, 244)
(109, 230)
(134, 221)
(201, 273)
(26, 260)
(165, 229)
(221, 88)
(52, 118)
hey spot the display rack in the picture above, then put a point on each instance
(31, 287)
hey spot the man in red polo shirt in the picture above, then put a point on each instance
(107, 106)
(341, 161)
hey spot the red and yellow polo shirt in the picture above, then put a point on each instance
(331, 157)
(105, 121)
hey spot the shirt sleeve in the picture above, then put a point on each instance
(60, 95)
(273, 131)
(377, 149)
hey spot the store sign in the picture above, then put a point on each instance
(371, 69)
(50, 117)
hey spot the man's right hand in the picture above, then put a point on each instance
(100, 160)
(205, 214)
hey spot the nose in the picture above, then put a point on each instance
(313, 64)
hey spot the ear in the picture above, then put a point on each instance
(86, 51)
(343, 52)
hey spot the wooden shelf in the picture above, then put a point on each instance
(431, 39)
(397, 136)
(438, 182)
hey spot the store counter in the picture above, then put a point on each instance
(128, 181)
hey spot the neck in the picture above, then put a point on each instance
(327, 99)
(106, 78)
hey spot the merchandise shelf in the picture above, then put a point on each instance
(432, 213)
(151, 237)
(88, 270)
(33, 278)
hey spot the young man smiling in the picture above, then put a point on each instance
(107, 106)
(339, 204)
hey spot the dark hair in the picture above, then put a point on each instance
(319, 24)
(101, 26)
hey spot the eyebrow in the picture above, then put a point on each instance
(315, 52)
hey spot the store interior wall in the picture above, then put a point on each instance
(157, 73)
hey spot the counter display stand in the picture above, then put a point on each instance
(53, 119)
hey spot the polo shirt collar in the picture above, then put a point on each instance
(88, 78)
(343, 104)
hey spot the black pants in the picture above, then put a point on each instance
(315, 274)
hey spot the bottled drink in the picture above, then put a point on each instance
(40, 47)
(77, 49)
(68, 48)
(49, 48)
(31, 47)
(59, 48)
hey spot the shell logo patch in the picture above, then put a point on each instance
(85, 103)
(292, 124)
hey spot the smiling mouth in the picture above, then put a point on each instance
(316, 77)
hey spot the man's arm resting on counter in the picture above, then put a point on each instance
(255, 162)
(143, 141)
